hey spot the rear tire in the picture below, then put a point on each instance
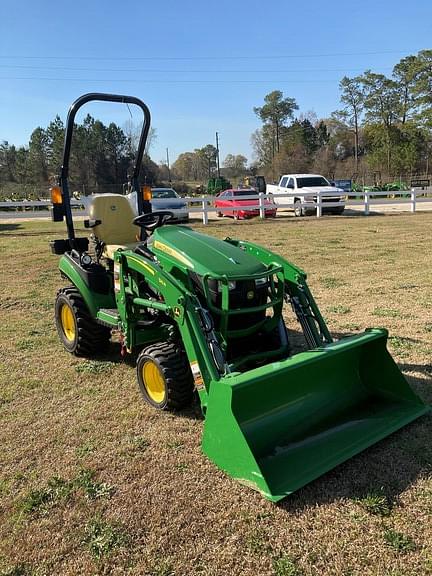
(164, 376)
(77, 330)
(298, 210)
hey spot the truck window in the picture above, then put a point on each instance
(283, 182)
(291, 183)
(311, 181)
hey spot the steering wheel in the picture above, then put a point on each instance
(153, 220)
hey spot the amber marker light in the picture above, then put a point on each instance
(147, 193)
(56, 195)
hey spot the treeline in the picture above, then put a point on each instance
(101, 157)
(201, 164)
(383, 128)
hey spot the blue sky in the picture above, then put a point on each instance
(200, 66)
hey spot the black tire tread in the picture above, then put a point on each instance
(92, 337)
(173, 362)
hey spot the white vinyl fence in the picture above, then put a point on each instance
(365, 199)
(205, 204)
(34, 205)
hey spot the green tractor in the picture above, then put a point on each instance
(216, 185)
(205, 318)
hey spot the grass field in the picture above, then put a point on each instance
(92, 481)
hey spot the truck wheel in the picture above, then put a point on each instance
(298, 210)
(78, 331)
(164, 376)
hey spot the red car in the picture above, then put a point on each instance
(231, 203)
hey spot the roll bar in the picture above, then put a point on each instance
(143, 206)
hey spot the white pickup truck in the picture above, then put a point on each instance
(303, 189)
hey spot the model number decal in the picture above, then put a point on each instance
(174, 253)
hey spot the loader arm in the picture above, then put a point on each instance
(179, 305)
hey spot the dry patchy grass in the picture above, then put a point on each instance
(92, 481)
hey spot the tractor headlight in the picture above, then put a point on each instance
(85, 259)
(231, 285)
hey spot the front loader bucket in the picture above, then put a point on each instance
(277, 427)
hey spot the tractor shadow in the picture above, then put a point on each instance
(388, 468)
(114, 356)
(8, 226)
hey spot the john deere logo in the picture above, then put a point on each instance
(250, 295)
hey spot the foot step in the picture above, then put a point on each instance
(108, 317)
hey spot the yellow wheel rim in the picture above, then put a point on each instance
(154, 381)
(67, 322)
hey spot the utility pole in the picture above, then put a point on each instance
(168, 166)
(217, 155)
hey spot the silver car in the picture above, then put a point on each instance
(168, 199)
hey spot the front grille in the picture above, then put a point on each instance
(328, 199)
(238, 298)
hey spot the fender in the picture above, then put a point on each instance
(93, 300)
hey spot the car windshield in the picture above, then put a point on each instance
(311, 181)
(164, 193)
(245, 192)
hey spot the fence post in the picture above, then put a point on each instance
(413, 199)
(204, 210)
(319, 207)
(261, 205)
(366, 203)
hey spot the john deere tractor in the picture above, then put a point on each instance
(205, 318)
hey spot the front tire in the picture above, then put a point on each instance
(77, 330)
(164, 376)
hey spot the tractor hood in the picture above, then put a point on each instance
(202, 254)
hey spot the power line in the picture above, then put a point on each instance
(171, 71)
(158, 81)
(240, 57)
